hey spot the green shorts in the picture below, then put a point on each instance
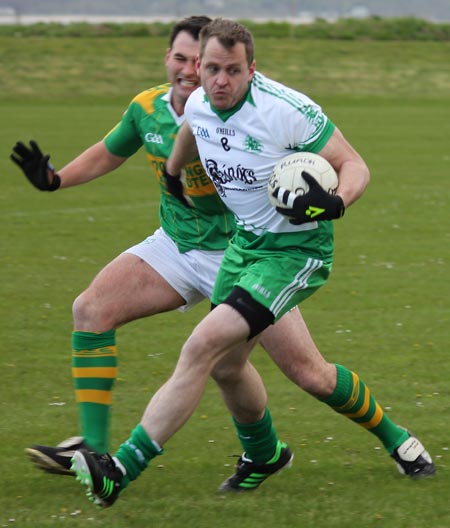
(279, 277)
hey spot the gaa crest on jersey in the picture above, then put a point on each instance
(152, 137)
(202, 132)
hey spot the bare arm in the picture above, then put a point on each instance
(353, 172)
(184, 150)
(92, 163)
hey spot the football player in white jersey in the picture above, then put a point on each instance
(241, 124)
(175, 267)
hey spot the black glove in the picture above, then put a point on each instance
(316, 204)
(36, 166)
(175, 186)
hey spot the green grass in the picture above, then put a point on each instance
(384, 312)
(57, 69)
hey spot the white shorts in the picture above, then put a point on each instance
(191, 274)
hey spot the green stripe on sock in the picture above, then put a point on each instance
(352, 397)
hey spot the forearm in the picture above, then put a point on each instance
(184, 150)
(353, 180)
(90, 164)
(353, 172)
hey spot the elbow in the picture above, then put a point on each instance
(366, 176)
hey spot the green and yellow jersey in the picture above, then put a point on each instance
(150, 121)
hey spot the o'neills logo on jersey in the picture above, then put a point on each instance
(202, 132)
(225, 131)
(225, 174)
(150, 137)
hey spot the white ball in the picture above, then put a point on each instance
(287, 173)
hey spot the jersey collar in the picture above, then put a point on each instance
(224, 115)
(167, 97)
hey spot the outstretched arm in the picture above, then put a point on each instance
(92, 163)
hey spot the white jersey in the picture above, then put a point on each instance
(240, 147)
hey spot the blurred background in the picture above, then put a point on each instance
(31, 11)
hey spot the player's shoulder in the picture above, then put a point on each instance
(149, 97)
(197, 95)
(195, 101)
(268, 91)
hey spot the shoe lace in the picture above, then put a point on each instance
(242, 462)
(107, 461)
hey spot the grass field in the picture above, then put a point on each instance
(384, 313)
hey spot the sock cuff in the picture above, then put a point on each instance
(343, 389)
(93, 340)
(242, 426)
(143, 439)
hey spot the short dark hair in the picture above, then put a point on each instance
(191, 25)
(228, 33)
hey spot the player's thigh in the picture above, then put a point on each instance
(190, 274)
(128, 288)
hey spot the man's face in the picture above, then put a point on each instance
(180, 67)
(224, 73)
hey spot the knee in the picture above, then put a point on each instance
(226, 372)
(319, 382)
(89, 315)
(202, 351)
(81, 310)
(198, 350)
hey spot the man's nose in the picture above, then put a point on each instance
(222, 78)
(189, 68)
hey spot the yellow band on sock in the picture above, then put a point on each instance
(376, 418)
(354, 396)
(94, 372)
(93, 396)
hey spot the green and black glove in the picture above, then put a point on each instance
(316, 204)
(36, 166)
(174, 185)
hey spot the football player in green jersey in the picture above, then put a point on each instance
(140, 283)
(174, 268)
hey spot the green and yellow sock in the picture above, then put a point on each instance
(136, 453)
(94, 371)
(259, 440)
(353, 399)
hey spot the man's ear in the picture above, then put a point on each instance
(252, 69)
(166, 58)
